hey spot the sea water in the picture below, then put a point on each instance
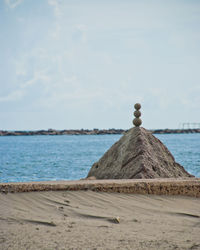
(69, 157)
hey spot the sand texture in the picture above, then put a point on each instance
(166, 186)
(98, 220)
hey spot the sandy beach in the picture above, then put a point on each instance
(98, 220)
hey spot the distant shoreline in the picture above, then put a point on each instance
(92, 132)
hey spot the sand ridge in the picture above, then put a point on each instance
(86, 220)
(158, 186)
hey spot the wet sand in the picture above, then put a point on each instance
(89, 220)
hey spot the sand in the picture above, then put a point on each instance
(167, 186)
(89, 220)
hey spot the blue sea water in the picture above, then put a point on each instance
(69, 157)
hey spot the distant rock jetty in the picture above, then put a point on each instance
(93, 132)
(64, 132)
(175, 131)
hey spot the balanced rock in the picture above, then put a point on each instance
(138, 154)
(137, 121)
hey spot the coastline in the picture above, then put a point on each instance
(92, 132)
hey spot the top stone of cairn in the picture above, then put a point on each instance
(137, 106)
(137, 121)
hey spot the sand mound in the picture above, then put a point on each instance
(138, 154)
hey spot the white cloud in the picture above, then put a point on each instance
(20, 68)
(39, 76)
(56, 6)
(56, 31)
(57, 9)
(13, 3)
(70, 97)
(82, 29)
(14, 96)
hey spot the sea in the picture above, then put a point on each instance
(70, 157)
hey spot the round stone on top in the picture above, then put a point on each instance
(137, 106)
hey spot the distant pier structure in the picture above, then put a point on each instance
(189, 125)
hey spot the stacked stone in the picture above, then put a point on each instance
(137, 121)
(138, 154)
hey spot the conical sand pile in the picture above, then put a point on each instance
(138, 154)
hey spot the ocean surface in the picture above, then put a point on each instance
(69, 157)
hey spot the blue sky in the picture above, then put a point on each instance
(84, 64)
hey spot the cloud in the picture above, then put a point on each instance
(38, 77)
(13, 3)
(56, 31)
(20, 68)
(81, 28)
(56, 6)
(14, 96)
(57, 9)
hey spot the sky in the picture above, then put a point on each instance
(72, 64)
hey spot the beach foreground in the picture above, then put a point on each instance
(98, 220)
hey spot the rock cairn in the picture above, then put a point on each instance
(138, 154)
(137, 121)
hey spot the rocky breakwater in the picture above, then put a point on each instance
(92, 132)
(176, 131)
(63, 132)
(138, 154)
